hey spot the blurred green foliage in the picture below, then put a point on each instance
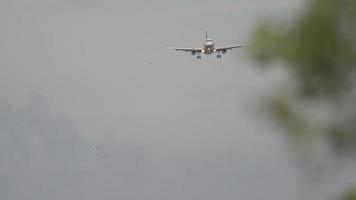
(292, 120)
(318, 51)
(318, 47)
(350, 195)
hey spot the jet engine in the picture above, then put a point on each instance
(223, 51)
(193, 53)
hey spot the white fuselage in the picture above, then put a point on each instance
(208, 47)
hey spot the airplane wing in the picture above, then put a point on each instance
(187, 49)
(230, 47)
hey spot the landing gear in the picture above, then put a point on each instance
(218, 56)
(199, 57)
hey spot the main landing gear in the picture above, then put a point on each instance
(199, 57)
(218, 56)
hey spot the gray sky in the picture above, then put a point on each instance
(95, 107)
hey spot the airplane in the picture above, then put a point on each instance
(208, 48)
